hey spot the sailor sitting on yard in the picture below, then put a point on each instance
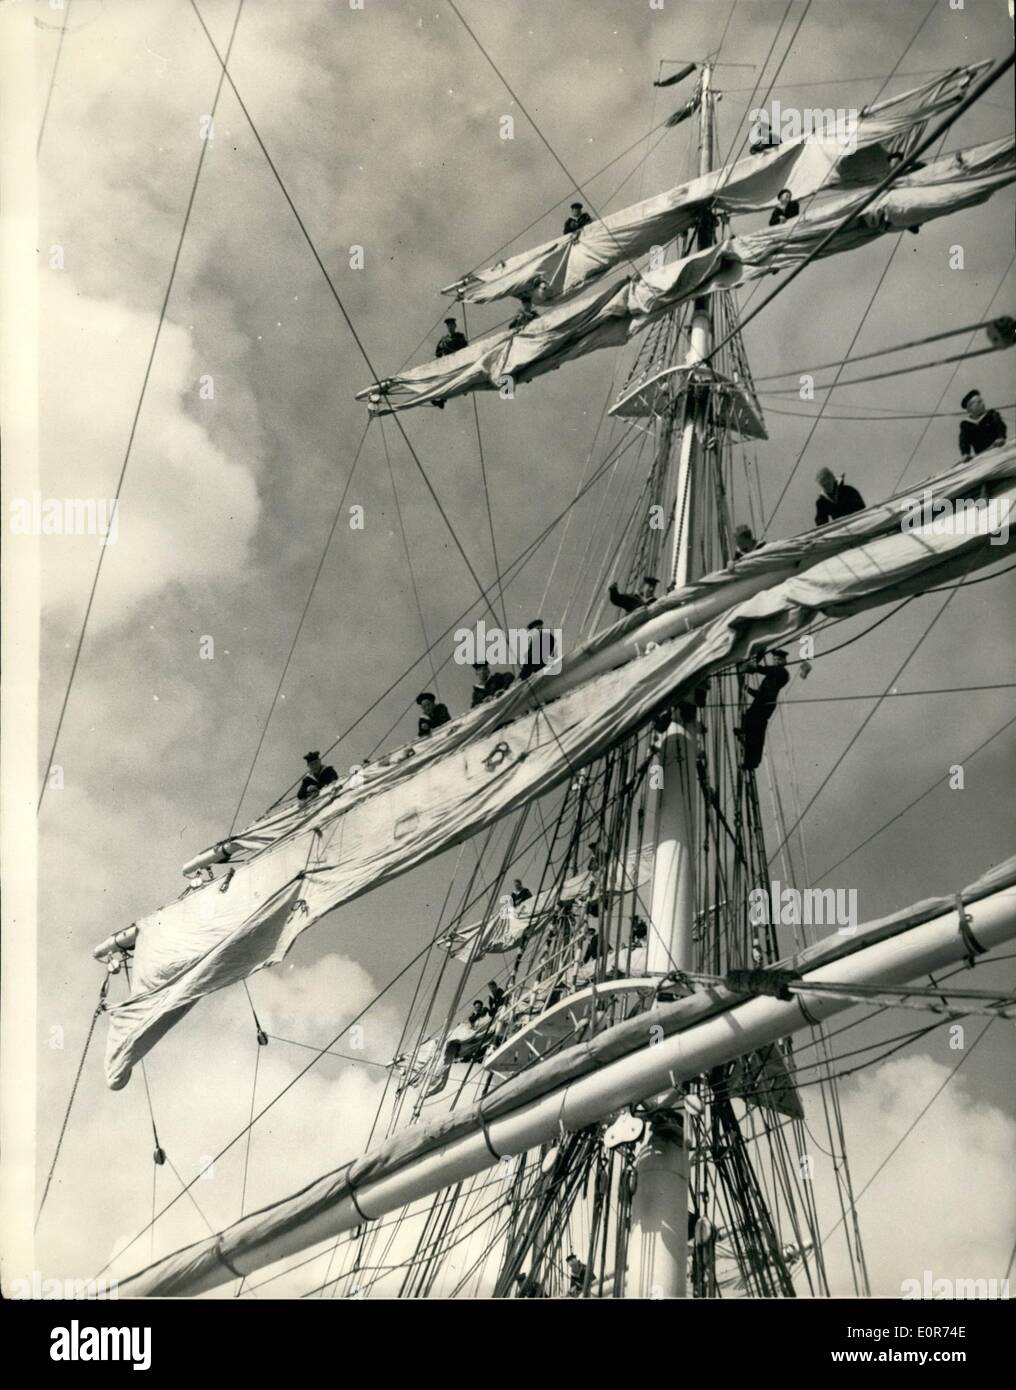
(316, 777)
(489, 683)
(432, 714)
(579, 219)
(744, 541)
(787, 207)
(982, 429)
(525, 315)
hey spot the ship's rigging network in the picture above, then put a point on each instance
(754, 1226)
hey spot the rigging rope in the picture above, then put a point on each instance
(137, 415)
(299, 629)
(52, 78)
(338, 300)
(100, 1006)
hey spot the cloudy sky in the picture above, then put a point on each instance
(384, 124)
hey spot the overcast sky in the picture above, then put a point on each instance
(384, 124)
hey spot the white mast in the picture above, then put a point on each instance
(658, 1244)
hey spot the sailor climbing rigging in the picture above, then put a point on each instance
(762, 707)
(744, 541)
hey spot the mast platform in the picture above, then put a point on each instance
(655, 394)
(564, 1022)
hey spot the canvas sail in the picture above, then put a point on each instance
(522, 746)
(611, 315)
(301, 1219)
(849, 153)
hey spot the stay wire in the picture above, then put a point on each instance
(321, 1052)
(864, 723)
(913, 1125)
(299, 628)
(137, 415)
(99, 1008)
(486, 491)
(341, 306)
(52, 78)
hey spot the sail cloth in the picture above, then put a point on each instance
(849, 152)
(612, 314)
(511, 752)
(505, 928)
(299, 1220)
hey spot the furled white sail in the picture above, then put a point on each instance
(584, 1083)
(515, 749)
(848, 151)
(610, 315)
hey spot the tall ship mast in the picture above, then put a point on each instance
(615, 1050)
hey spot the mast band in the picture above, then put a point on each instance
(364, 1218)
(974, 947)
(486, 1139)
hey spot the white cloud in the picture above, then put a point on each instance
(943, 1202)
(309, 1002)
(188, 509)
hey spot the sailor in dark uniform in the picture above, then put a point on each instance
(432, 714)
(539, 647)
(762, 707)
(579, 219)
(316, 777)
(453, 340)
(576, 1276)
(836, 499)
(488, 683)
(765, 140)
(788, 208)
(982, 429)
(629, 602)
(520, 893)
(744, 541)
(525, 315)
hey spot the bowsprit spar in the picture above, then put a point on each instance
(628, 1108)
